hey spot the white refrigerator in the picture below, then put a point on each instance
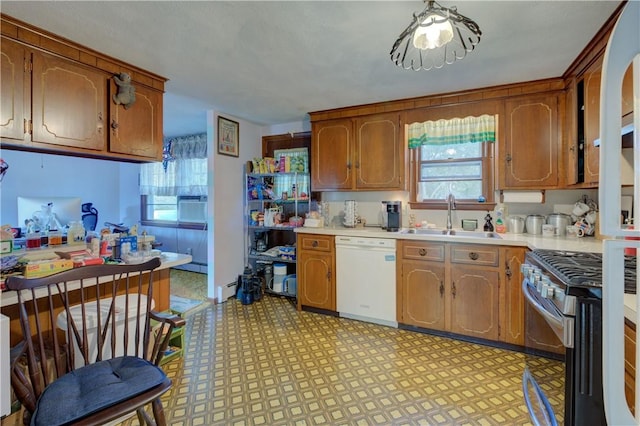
(623, 48)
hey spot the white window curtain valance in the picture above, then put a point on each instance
(452, 131)
(183, 170)
(192, 146)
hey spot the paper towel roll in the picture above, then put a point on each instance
(522, 197)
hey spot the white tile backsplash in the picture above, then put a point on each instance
(370, 206)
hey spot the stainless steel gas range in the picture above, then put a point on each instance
(565, 288)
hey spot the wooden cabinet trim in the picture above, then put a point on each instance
(491, 93)
(38, 38)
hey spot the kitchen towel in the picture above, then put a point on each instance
(522, 197)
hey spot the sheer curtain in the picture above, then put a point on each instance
(183, 170)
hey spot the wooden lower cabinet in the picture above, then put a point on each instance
(423, 294)
(474, 302)
(512, 310)
(315, 271)
(450, 287)
(161, 296)
(630, 364)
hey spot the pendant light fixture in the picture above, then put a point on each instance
(435, 37)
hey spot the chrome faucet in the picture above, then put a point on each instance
(451, 205)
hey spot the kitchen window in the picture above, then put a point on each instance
(173, 193)
(453, 156)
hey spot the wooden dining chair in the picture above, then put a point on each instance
(92, 346)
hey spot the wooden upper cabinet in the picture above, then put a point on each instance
(56, 97)
(530, 151)
(15, 91)
(591, 82)
(331, 154)
(571, 148)
(379, 156)
(365, 153)
(138, 129)
(627, 92)
(68, 103)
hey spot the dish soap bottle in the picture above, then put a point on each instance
(501, 228)
(488, 224)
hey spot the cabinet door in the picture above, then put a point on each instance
(138, 129)
(15, 91)
(513, 329)
(331, 151)
(68, 103)
(474, 302)
(423, 294)
(531, 149)
(316, 283)
(571, 123)
(379, 156)
(592, 121)
(630, 364)
(627, 92)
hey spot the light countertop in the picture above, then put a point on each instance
(586, 244)
(168, 260)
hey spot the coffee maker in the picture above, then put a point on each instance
(391, 215)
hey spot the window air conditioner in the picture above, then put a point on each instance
(192, 210)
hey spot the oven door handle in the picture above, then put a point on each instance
(562, 327)
(549, 418)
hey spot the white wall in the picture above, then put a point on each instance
(226, 188)
(111, 186)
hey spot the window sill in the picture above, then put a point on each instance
(177, 225)
(460, 205)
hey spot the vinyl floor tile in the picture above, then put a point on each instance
(268, 364)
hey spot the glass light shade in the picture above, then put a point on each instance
(432, 34)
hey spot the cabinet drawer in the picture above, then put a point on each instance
(315, 242)
(422, 251)
(475, 254)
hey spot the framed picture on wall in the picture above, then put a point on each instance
(228, 137)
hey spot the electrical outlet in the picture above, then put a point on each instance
(189, 251)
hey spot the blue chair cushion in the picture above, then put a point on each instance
(94, 387)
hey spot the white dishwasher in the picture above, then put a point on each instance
(366, 279)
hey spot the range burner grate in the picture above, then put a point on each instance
(583, 269)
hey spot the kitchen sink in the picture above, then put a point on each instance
(452, 233)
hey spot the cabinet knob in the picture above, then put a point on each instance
(508, 158)
(114, 125)
(473, 255)
(508, 272)
(422, 252)
(314, 243)
(453, 289)
(100, 116)
(441, 289)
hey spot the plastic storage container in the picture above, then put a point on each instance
(91, 312)
(75, 234)
(279, 273)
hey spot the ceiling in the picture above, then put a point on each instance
(272, 62)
